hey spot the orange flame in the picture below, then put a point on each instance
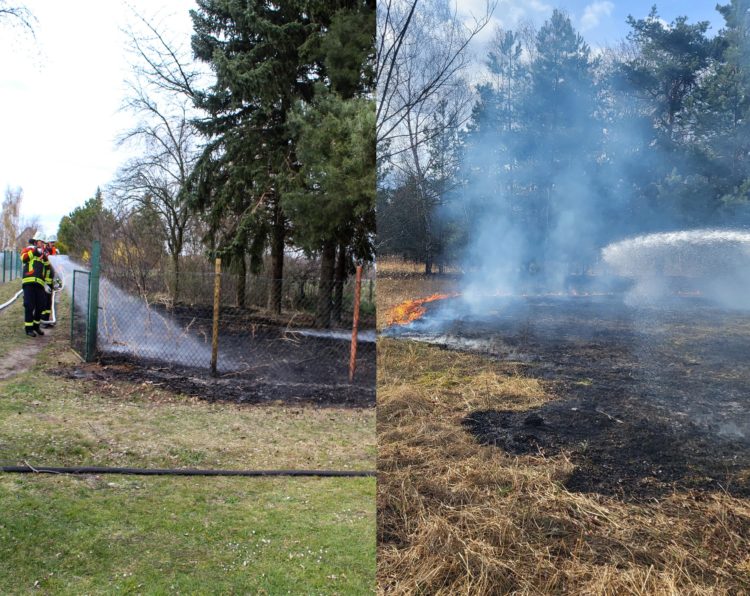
(411, 310)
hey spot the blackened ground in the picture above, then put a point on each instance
(259, 362)
(241, 390)
(649, 399)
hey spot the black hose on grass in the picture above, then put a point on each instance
(182, 471)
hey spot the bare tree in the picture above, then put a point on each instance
(402, 35)
(431, 135)
(428, 102)
(166, 65)
(165, 138)
(137, 244)
(10, 217)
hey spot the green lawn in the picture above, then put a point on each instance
(157, 535)
(11, 318)
(117, 534)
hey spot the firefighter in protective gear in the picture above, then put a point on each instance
(48, 296)
(33, 259)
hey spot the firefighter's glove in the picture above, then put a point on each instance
(48, 288)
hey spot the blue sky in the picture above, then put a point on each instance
(601, 22)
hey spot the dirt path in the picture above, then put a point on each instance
(19, 359)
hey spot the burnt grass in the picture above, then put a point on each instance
(262, 360)
(648, 400)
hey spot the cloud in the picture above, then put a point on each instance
(508, 13)
(511, 12)
(593, 14)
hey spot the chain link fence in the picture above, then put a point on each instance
(273, 338)
(11, 266)
(80, 334)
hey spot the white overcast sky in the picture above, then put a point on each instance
(61, 92)
(60, 98)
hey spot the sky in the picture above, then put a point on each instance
(61, 91)
(600, 22)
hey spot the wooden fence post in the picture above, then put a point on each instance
(355, 323)
(217, 301)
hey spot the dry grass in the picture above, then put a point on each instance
(455, 517)
(390, 266)
(394, 290)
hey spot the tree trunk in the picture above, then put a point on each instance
(176, 279)
(428, 260)
(325, 285)
(241, 281)
(428, 244)
(338, 283)
(278, 234)
(424, 204)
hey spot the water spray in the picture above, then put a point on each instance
(711, 263)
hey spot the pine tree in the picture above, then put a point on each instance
(557, 148)
(335, 204)
(267, 58)
(331, 204)
(723, 113)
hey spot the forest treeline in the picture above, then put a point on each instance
(256, 143)
(561, 149)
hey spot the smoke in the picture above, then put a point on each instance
(564, 158)
(532, 239)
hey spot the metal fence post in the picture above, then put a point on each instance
(93, 314)
(355, 323)
(5, 263)
(217, 301)
(73, 308)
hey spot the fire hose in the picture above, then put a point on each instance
(11, 301)
(28, 469)
(58, 288)
(58, 285)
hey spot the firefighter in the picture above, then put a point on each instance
(33, 259)
(47, 296)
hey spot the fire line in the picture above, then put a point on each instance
(411, 310)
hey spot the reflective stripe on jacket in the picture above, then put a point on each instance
(33, 267)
